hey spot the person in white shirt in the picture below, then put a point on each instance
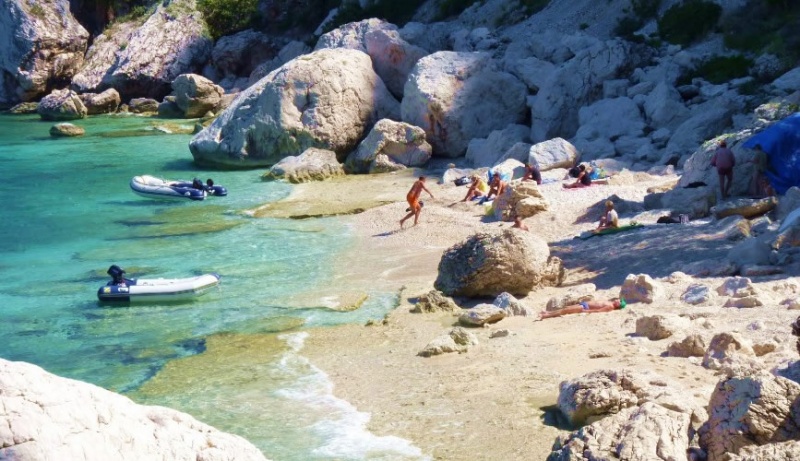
(610, 219)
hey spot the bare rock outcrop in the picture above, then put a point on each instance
(236, 56)
(61, 105)
(106, 102)
(196, 95)
(44, 416)
(482, 314)
(66, 130)
(142, 61)
(657, 327)
(43, 44)
(435, 301)
(693, 345)
(748, 411)
(312, 165)
(457, 96)
(745, 207)
(457, 339)
(328, 99)
(726, 349)
(489, 263)
(512, 305)
(521, 198)
(400, 142)
(781, 451)
(640, 289)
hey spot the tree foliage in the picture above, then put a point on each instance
(226, 17)
(689, 21)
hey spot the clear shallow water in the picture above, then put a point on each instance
(69, 213)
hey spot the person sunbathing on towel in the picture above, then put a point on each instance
(610, 219)
(589, 307)
(581, 173)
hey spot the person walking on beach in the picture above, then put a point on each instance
(415, 206)
(724, 161)
(589, 307)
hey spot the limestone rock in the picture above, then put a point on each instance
(737, 287)
(195, 95)
(488, 151)
(168, 108)
(43, 45)
(392, 57)
(748, 301)
(48, 417)
(312, 165)
(106, 102)
(711, 268)
(328, 99)
(66, 130)
(402, 143)
(289, 51)
(750, 410)
(745, 207)
(143, 60)
(24, 108)
(781, 451)
(143, 106)
(696, 202)
(61, 105)
(576, 294)
(656, 327)
(750, 252)
(692, 345)
(726, 348)
(696, 293)
(456, 340)
(600, 393)
(511, 305)
(239, 54)
(764, 348)
(435, 301)
(457, 96)
(640, 289)
(482, 314)
(501, 333)
(553, 153)
(521, 198)
(489, 263)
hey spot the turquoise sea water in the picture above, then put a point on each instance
(68, 214)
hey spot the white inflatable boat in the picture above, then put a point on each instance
(157, 188)
(124, 290)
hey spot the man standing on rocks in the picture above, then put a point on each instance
(415, 206)
(724, 160)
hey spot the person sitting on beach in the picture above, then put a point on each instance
(412, 197)
(497, 187)
(581, 173)
(589, 307)
(610, 219)
(518, 224)
(532, 173)
(478, 188)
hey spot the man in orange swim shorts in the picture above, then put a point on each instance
(415, 206)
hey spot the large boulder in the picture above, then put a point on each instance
(106, 102)
(44, 416)
(457, 96)
(61, 105)
(43, 45)
(402, 143)
(489, 263)
(521, 198)
(640, 289)
(66, 130)
(392, 57)
(143, 60)
(489, 151)
(745, 207)
(329, 99)
(312, 165)
(553, 153)
(693, 201)
(747, 411)
(196, 95)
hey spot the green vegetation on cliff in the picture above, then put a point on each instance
(226, 17)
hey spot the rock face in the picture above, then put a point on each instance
(392, 57)
(195, 95)
(434, 301)
(489, 263)
(106, 102)
(47, 417)
(312, 165)
(521, 199)
(553, 153)
(62, 130)
(401, 143)
(142, 61)
(746, 411)
(43, 45)
(482, 314)
(457, 96)
(748, 208)
(327, 99)
(238, 55)
(61, 105)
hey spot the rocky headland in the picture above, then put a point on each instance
(701, 365)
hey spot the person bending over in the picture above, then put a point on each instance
(532, 173)
(589, 307)
(413, 200)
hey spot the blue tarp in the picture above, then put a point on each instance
(781, 142)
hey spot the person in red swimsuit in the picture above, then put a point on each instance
(415, 206)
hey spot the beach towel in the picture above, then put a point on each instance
(610, 230)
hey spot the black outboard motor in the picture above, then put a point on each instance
(117, 275)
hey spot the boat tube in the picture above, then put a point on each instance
(124, 290)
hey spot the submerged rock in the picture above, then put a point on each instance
(66, 130)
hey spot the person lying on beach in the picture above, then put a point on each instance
(589, 307)
(581, 173)
(610, 219)
(478, 188)
(532, 173)
(518, 224)
(413, 200)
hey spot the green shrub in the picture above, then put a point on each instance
(689, 21)
(225, 17)
(766, 26)
(626, 27)
(719, 69)
(645, 9)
